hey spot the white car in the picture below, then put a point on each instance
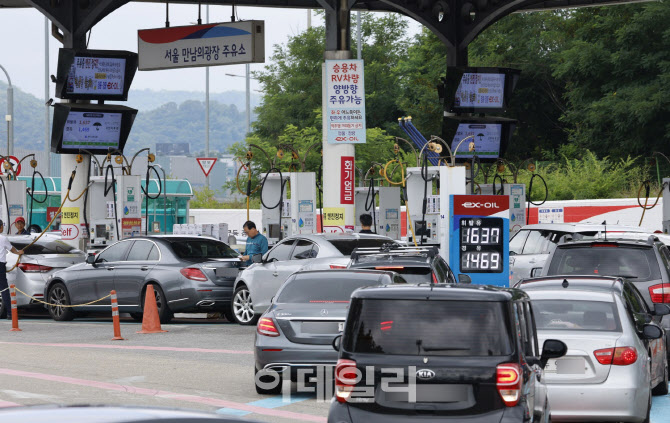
(530, 247)
(257, 284)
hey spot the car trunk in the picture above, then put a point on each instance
(316, 323)
(579, 365)
(221, 272)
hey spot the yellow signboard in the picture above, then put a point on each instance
(333, 216)
(70, 216)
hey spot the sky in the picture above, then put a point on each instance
(22, 43)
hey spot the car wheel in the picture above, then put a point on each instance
(164, 313)
(243, 307)
(58, 295)
(137, 316)
(662, 388)
(276, 390)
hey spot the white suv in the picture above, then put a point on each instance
(530, 247)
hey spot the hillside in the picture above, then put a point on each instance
(164, 116)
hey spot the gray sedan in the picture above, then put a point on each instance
(257, 284)
(188, 274)
(614, 356)
(48, 255)
(294, 336)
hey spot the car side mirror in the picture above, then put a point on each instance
(661, 309)
(464, 279)
(535, 272)
(257, 258)
(651, 332)
(336, 342)
(552, 348)
(512, 253)
(90, 259)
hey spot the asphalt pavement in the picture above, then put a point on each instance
(198, 364)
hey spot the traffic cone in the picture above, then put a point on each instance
(151, 323)
(15, 311)
(115, 318)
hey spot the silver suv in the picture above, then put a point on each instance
(530, 247)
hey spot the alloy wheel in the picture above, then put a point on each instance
(58, 297)
(243, 306)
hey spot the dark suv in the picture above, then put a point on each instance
(415, 264)
(437, 351)
(645, 263)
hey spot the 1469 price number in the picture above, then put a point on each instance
(481, 261)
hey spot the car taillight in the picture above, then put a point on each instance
(620, 356)
(337, 266)
(34, 268)
(193, 274)
(434, 278)
(266, 326)
(660, 293)
(346, 378)
(508, 382)
(605, 245)
(389, 267)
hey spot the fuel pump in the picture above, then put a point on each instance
(387, 216)
(12, 200)
(424, 206)
(285, 215)
(517, 204)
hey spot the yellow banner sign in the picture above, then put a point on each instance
(333, 216)
(70, 216)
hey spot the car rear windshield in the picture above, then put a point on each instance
(412, 274)
(346, 246)
(428, 328)
(196, 249)
(318, 290)
(638, 264)
(45, 247)
(576, 315)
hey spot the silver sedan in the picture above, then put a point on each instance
(257, 284)
(615, 359)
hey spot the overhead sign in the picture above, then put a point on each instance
(95, 74)
(206, 164)
(345, 95)
(201, 45)
(15, 165)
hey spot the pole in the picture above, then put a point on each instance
(248, 99)
(47, 140)
(10, 114)
(207, 106)
(359, 48)
(309, 18)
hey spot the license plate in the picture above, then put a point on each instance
(226, 272)
(319, 327)
(570, 366)
(340, 327)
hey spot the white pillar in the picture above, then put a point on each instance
(68, 163)
(332, 153)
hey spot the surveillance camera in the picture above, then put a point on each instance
(53, 79)
(50, 102)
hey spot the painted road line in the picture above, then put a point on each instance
(273, 402)
(660, 409)
(130, 347)
(174, 396)
(4, 404)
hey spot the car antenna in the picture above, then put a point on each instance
(605, 223)
(565, 283)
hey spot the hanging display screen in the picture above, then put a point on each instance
(481, 245)
(480, 90)
(484, 141)
(92, 130)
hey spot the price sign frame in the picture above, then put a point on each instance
(479, 211)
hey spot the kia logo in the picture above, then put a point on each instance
(425, 374)
(470, 205)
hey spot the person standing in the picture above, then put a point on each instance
(257, 243)
(20, 224)
(4, 247)
(366, 224)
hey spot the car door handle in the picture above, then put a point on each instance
(144, 268)
(275, 274)
(110, 268)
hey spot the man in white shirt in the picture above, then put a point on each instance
(4, 247)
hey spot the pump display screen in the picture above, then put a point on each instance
(92, 130)
(96, 75)
(481, 245)
(480, 90)
(484, 141)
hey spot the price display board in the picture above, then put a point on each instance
(479, 238)
(479, 89)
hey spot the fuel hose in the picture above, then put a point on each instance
(111, 187)
(280, 203)
(370, 202)
(647, 191)
(530, 191)
(31, 194)
(145, 190)
(404, 193)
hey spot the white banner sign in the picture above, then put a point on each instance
(345, 95)
(201, 45)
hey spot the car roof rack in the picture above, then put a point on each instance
(392, 249)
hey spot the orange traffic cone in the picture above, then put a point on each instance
(115, 317)
(151, 323)
(15, 311)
